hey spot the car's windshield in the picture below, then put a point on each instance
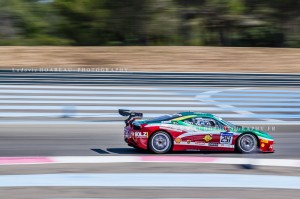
(228, 124)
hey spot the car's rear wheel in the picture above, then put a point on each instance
(160, 142)
(247, 143)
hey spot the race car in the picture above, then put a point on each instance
(192, 131)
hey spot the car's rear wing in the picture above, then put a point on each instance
(131, 115)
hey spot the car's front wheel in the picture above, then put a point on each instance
(247, 143)
(160, 142)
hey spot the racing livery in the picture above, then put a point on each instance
(192, 131)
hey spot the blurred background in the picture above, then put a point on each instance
(67, 66)
(256, 23)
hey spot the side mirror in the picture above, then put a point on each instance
(226, 128)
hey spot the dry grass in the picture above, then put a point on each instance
(176, 58)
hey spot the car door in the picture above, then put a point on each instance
(222, 137)
(204, 136)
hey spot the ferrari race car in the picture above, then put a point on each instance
(192, 131)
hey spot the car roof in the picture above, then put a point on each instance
(199, 114)
(180, 116)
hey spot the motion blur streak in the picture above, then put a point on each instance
(50, 118)
(53, 97)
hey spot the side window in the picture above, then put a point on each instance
(203, 122)
(189, 121)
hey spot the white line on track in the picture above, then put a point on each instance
(230, 107)
(242, 110)
(146, 115)
(147, 159)
(111, 108)
(156, 92)
(96, 97)
(191, 102)
(175, 98)
(144, 88)
(143, 198)
(152, 180)
(84, 92)
(31, 122)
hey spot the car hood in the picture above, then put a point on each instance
(256, 132)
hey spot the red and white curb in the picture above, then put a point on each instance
(145, 159)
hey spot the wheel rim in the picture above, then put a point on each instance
(247, 143)
(160, 142)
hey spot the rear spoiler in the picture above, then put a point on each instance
(131, 115)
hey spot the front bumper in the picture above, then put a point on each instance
(266, 146)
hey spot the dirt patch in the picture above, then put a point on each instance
(173, 58)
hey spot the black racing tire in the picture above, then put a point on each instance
(160, 142)
(247, 143)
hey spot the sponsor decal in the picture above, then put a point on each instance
(188, 141)
(264, 141)
(226, 138)
(177, 127)
(170, 129)
(200, 143)
(178, 140)
(207, 138)
(213, 144)
(226, 145)
(141, 134)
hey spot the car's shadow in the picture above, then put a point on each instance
(133, 151)
(121, 151)
(128, 151)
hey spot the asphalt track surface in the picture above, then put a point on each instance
(101, 135)
(107, 139)
(144, 193)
